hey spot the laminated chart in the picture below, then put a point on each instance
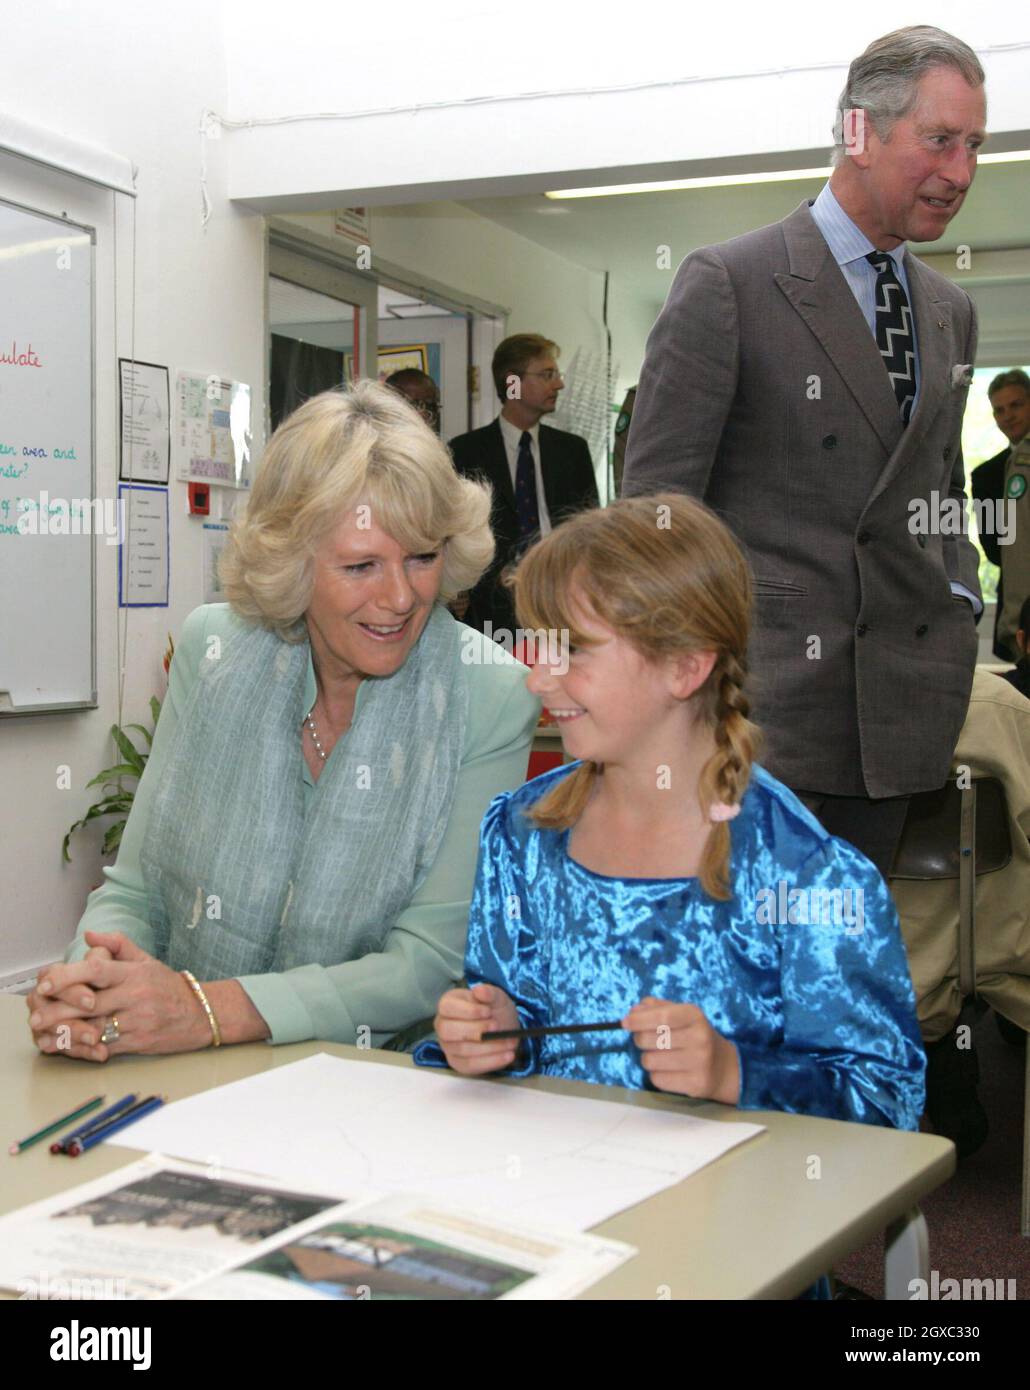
(212, 429)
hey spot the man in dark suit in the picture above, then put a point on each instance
(1009, 395)
(539, 475)
(808, 381)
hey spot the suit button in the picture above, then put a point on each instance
(922, 630)
(921, 541)
(862, 537)
(829, 441)
(861, 630)
(947, 453)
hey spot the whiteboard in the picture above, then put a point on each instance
(49, 521)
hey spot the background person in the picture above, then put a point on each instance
(1020, 677)
(421, 390)
(1009, 395)
(538, 475)
(1014, 586)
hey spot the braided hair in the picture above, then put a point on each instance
(664, 573)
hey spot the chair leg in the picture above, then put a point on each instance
(1025, 1221)
(967, 893)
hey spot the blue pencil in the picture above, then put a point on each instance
(128, 1117)
(60, 1146)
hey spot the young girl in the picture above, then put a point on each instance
(663, 879)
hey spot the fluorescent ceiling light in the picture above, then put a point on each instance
(674, 185)
(1006, 157)
(733, 180)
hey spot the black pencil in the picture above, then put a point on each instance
(543, 1032)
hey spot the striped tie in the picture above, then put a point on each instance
(894, 335)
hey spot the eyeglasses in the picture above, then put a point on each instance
(428, 409)
(551, 374)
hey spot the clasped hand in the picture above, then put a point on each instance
(679, 1049)
(156, 1009)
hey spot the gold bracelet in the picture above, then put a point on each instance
(216, 1032)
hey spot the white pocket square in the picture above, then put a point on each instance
(961, 374)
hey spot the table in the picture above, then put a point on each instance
(547, 739)
(763, 1221)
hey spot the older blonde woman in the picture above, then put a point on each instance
(300, 854)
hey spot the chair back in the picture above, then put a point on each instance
(958, 832)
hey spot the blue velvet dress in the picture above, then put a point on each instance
(803, 969)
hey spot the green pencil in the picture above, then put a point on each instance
(57, 1124)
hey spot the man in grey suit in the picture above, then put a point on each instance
(808, 381)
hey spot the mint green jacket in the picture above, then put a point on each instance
(424, 952)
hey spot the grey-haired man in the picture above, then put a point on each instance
(808, 381)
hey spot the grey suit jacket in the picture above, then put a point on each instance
(764, 394)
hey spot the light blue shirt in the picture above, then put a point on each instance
(849, 247)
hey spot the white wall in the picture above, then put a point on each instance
(631, 319)
(590, 94)
(471, 99)
(131, 78)
(544, 292)
(453, 247)
(452, 335)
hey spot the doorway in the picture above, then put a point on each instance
(330, 325)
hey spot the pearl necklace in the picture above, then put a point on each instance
(314, 734)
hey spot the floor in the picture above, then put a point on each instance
(974, 1219)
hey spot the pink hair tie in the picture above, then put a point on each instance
(722, 810)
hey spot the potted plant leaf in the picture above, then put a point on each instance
(115, 798)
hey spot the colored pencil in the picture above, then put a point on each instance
(127, 1117)
(57, 1124)
(60, 1146)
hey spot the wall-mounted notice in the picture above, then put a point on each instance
(354, 224)
(216, 533)
(146, 436)
(212, 429)
(143, 558)
(49, 513)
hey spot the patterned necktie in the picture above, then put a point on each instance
(894, 335)
(525, 490)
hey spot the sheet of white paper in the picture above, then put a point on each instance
(515, 1152)
(146, 431)
(216, 533)
(144, 552)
